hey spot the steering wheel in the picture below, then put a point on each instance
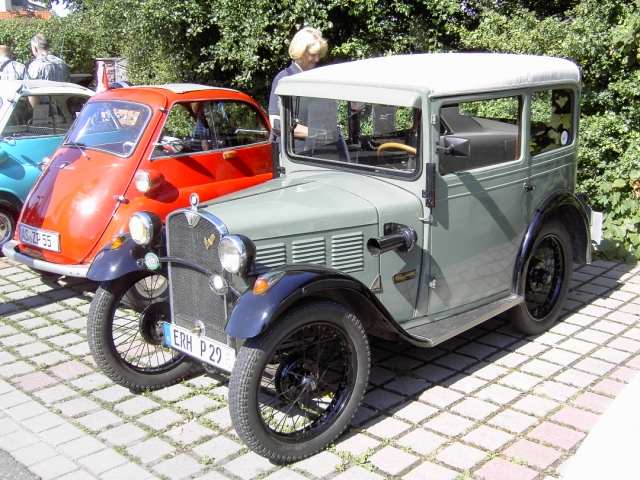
(396, 146)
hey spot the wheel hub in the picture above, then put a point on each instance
(150, 322)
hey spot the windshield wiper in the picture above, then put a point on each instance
(79, 146)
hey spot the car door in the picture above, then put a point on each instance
(223, 146)
(481, 208)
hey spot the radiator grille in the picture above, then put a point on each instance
(347, 252)
(191, 297)
(274, 255)
(309, 251)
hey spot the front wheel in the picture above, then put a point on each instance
(547, 278)
(295, 388)
(8, 220)
(125, 337)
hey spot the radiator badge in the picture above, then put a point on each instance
(198, 328)
(209, 241)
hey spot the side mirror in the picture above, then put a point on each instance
(170, 145)
(454, 146)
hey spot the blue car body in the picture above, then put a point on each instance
(34, 118)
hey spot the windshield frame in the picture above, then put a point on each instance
(288, 142)
(67, 142)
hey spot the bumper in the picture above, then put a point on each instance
(9, 250)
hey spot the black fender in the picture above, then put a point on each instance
(110, 264)
(252, 313)
(567, 207)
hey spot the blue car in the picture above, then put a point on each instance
(34, 117)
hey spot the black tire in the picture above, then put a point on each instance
(547, 276)
(139, 361)
(325, 386)
(8, 219)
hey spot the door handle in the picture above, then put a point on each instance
(229, 155)
(528, 187)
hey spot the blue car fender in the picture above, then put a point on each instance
(110, 263)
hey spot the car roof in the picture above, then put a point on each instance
(403, 79)
(9, 88)
(183, 87)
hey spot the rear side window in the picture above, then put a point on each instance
(207, 126)
(479, 133)
(40, 115)
(551, 120)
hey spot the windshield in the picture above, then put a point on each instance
(370, 136)
(111, 126)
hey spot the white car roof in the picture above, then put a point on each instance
(183, 87)
(403, 79)
(8, 88)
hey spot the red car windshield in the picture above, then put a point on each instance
(112, 126)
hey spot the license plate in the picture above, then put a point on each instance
(40, 238)
(205, 349)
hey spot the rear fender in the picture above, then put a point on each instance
(252, 314)
(572, 213)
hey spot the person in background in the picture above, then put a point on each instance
(306, 49)
(45, 65)
(9, 68)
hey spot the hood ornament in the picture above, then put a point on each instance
(192, 215)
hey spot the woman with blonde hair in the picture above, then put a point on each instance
(306, 49)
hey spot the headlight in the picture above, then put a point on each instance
(141, 228)
(233, 253)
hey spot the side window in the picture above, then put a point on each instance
(551, 120)
(479, 133)
(39, 115)
(187, 127)
(234, 124)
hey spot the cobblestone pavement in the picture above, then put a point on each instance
(488, 404)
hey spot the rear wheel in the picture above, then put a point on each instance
(8, 219)
(125, 336)
(295, 388)
(547, 278)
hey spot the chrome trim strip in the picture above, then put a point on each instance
(9, 250)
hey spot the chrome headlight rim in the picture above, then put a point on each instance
(233, 254)
(142, 228)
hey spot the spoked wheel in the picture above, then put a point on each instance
(125, 337)
(295, 388)
(7, 226)
(547, 279)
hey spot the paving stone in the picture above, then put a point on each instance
(357, 444)
(55, 394)
(624, 374)
(221, 418)
(32, 349)
(150, 450)
(433, 373)
(136, 406)
(500, 469)
(6, 357)
(533, 454)
(513, 421)
(392, 460)
(49, 359)
(555, 390)
(540, 368)
(575, 378)
(593, 336)
(358, 473)
(9, 370)
(466, 383)
(77, 406)
(12, 399)
(112, 394)
(498, 394)
(407, 385)
(608, 326)
(556, 435)
(608, 387)
(126, 471)
(382, 399)
(160, 419)
(320, 465)
(61, 434)
(625, 344)
(559, 356)
(81, 447)
(577, 346)
(576, 418)
(188, 433)
(474, 408)
(388, 427)
(42, 422)
(491, 371)
(248, 465)
(34, 381)
(461, 456)
(414, 412)
(53, 467)
(593, 401)
(26, 410)
(181, 466)
(123, 435)
(17, 339)
(102, 461)
(69, 370)
(91, 382)
(173, 393)
(488, 438)
(285, 474)
(99, 420)
(535, 405)
(34, 453)
(219, 448)
(198, 404)
(449, 424)
(440, 396)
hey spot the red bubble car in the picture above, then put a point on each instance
(134, 149)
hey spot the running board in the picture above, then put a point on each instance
(435, 332)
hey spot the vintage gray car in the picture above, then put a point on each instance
(431, 193)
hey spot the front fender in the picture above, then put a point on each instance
(252, 313)
(110, 264)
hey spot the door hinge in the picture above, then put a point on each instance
(434, 119)
(433, 283)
